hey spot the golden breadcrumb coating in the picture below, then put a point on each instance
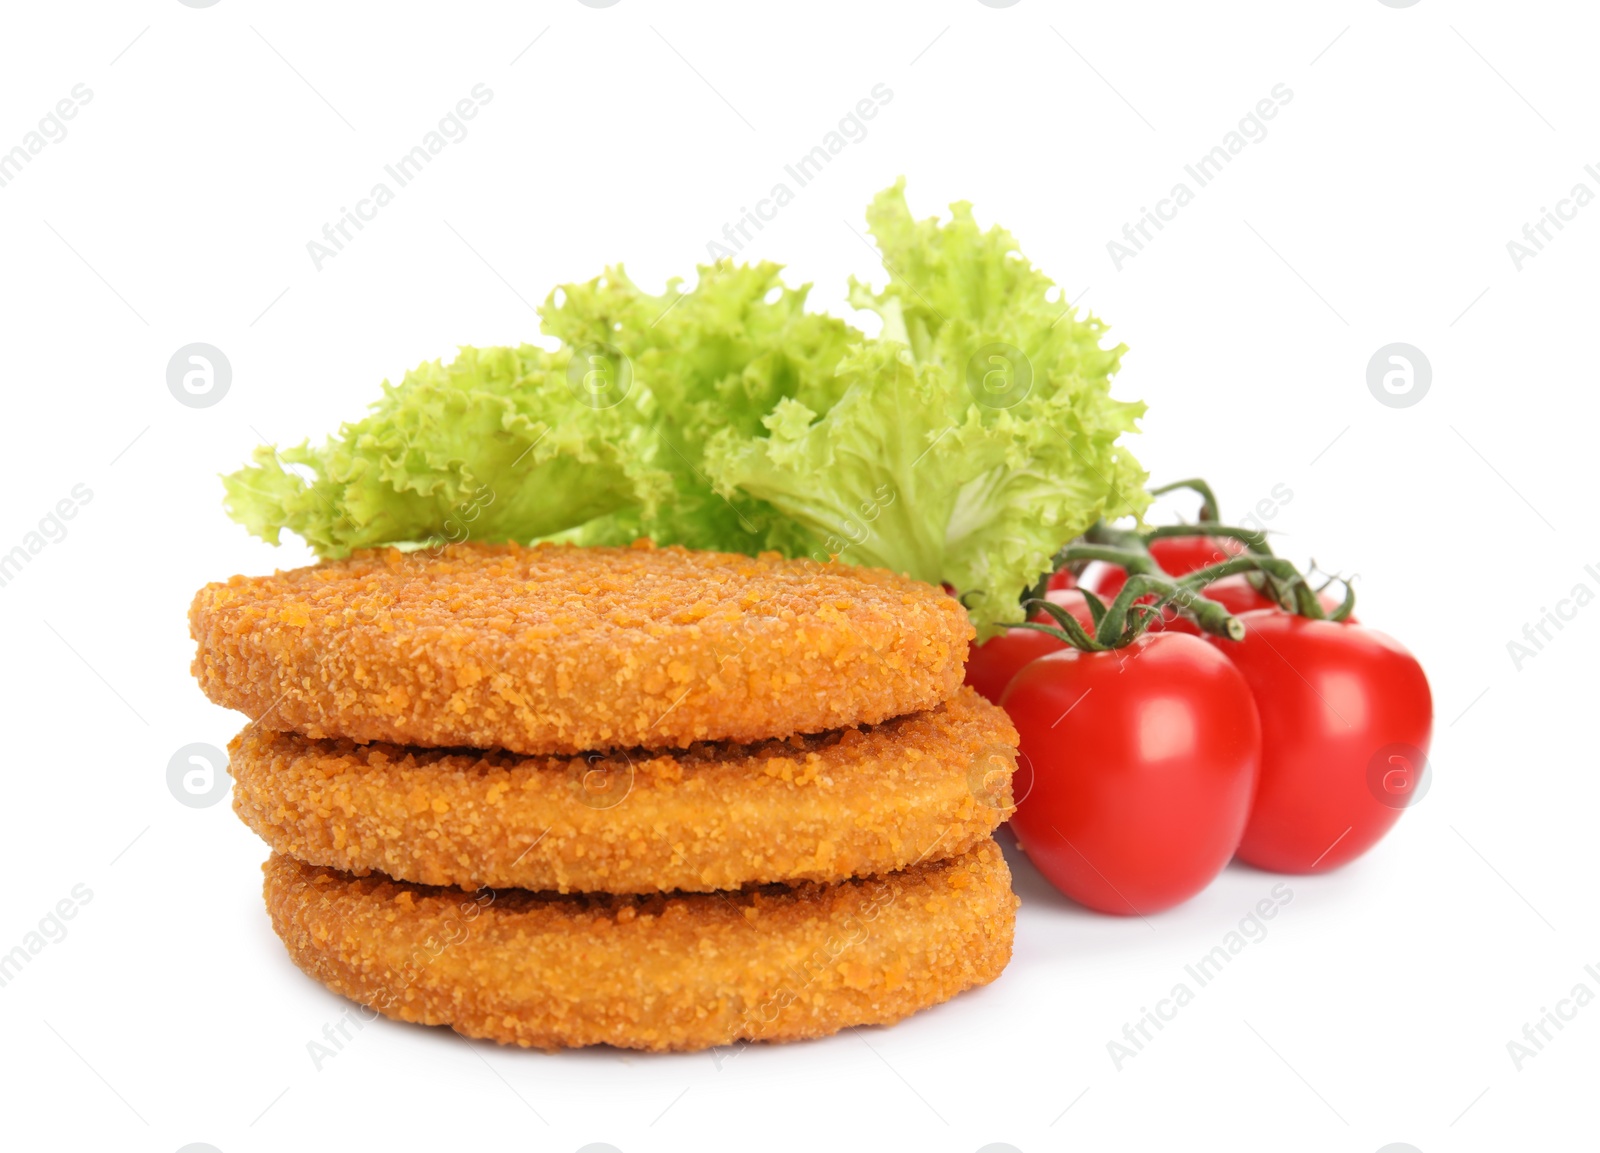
(680, 971)
(561, 649)
(848, 803)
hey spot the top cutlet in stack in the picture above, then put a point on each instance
(654, 798)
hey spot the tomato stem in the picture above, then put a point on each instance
(1252, 539)
(1125, 618)
(1346, 606)
(1134, 559)
(1067, 630)
(1208, 614)
(1208, 499)
(1285, 583)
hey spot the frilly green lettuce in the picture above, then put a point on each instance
(718, 356)
(496, 445)
(965, 444)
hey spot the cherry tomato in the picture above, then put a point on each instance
(1062, 579)
(1144, 761)
(991, 665)
(1346, 717)
(1176, 555)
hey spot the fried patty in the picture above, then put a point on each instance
(561, 649)
(678, 972)
(848, 803)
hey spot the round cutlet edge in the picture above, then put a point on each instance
(563, 649)
(663, 972)
(820, 808)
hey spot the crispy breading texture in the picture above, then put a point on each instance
(849, 803)
(663, 972)
(560, 649)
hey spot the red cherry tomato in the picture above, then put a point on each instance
(1346, 717)
(1177, 556)
(1062, 579)
(1144, 761)
(991, 665)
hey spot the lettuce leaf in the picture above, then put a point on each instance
(496, 445)
(718, 356)
(965, 444)
(919, 466)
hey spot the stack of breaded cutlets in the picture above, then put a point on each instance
(653, 798)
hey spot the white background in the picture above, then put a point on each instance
(1417, 143)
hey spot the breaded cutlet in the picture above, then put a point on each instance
(561, 649)
(847, 803)
(662, 972)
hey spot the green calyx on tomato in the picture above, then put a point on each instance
(1160, 579)
(1144, 765)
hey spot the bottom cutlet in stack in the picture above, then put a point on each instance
(807, 848)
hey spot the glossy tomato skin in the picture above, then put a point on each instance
(1144, 763)
(1177, 556)
(1062, 579)
(991, 665)
(1332, 697)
